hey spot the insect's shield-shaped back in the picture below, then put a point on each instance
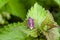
(30, 23)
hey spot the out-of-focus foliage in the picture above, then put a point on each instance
(16, 8)
(58, 2)
(3, 2)
(6, 15)
(57, 17)
(2, 21)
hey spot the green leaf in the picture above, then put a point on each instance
(49, 18)
(13, 32)
(40, 16)
(37, 13)
(16, 31)
(32, 33)
(3, 2)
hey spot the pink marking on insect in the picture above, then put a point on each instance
(30, 23)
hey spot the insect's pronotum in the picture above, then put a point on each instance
(30, 23)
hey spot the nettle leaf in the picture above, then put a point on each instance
(40, 16)
(43, 17)
(16, 31)
(37, 13)
(30, 32)
(13, 32)
(49, 20)
(3, 2)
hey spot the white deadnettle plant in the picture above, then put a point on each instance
(43, 20)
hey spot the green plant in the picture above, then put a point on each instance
(16, 15)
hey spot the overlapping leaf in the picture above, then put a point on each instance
(37, 13)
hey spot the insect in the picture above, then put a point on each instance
(30, 23)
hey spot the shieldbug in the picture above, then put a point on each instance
(30, 23)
